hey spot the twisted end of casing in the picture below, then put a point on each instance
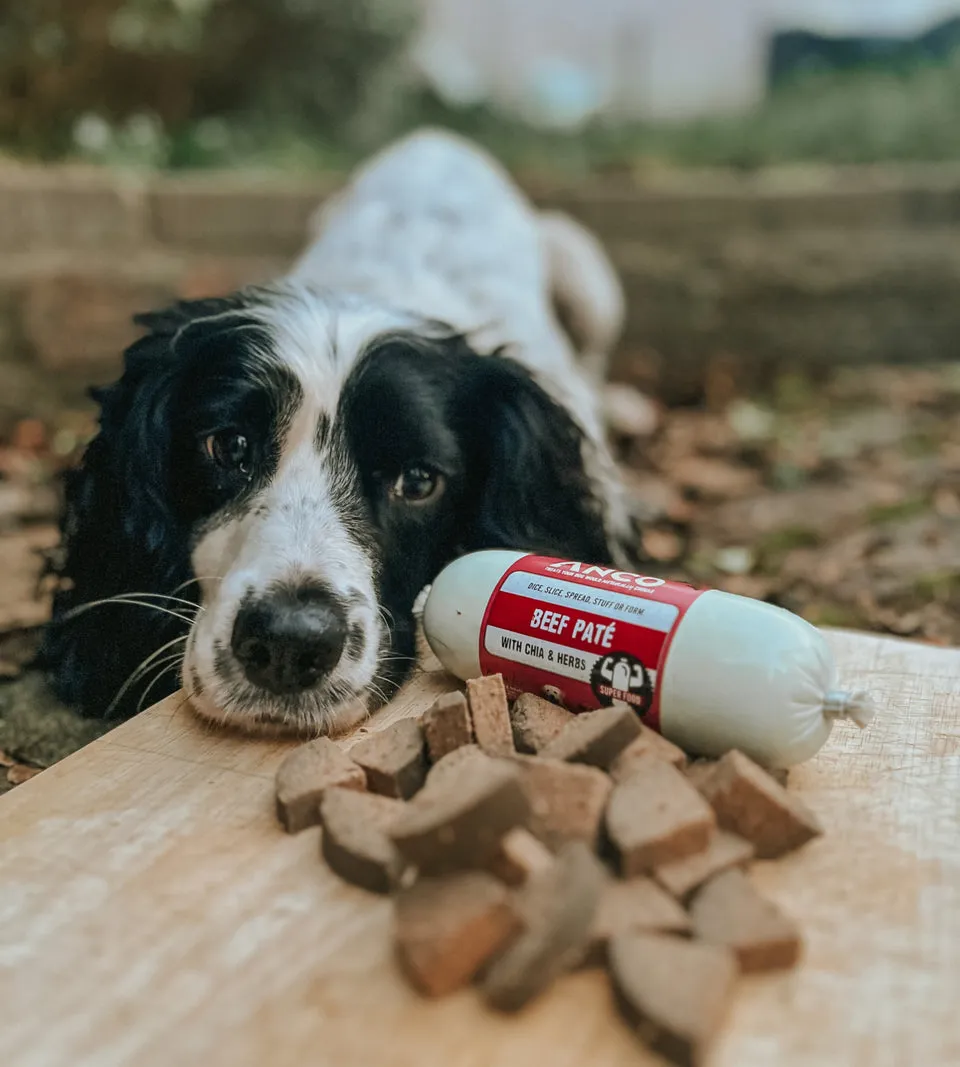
(856, 705)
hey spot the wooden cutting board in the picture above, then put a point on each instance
(153, 914)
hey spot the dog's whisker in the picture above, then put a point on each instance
(164, 670)
(374, 690)
(144, 594)
(378, 682)
(172, 718)
(124, 599)
(386, 616)
(192, 604)
(165, 663)
(197, 580)
(144, 668)
(156, 654)
(162, 666)
(394, 683)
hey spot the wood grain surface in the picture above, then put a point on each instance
(152, 913)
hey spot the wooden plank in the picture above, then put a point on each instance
(152, 912)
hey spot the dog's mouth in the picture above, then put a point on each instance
(310, 713)
(307, 684)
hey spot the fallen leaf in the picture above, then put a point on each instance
(21, 564)
(688, 433)
(751, 423)
(664, 546)
(628, 413)
(653, 499)
(713, 479)
(749, 585)
(27, 503)
(17, 465)
(821, 509)
(27, 615)
(29, 435)
(908, 625)
(17, 651)
(737, 559)
(946, 502)
(720, 377)
(18, 773)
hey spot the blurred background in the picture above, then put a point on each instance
(778, 182)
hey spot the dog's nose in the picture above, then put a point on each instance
(287, 641)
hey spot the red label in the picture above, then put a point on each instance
(588, 636)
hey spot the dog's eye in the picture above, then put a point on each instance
(416, 485)
(229, 450)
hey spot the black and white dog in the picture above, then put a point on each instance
(278, 474)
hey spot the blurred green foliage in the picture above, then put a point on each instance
(907, 114)
(314, 84)
(134, 75)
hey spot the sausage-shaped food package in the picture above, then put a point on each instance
(710, 670)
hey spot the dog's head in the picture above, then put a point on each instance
(298, 466)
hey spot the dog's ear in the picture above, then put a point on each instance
(532, 491)
(119, 535)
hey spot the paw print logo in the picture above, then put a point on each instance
(554, 694)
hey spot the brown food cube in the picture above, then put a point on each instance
(447, 928)
(673, 993)
(303, 777)
(459, 822)
(728, 911)
(649, 743)
(750, 803)
(536, 722)
(638, 904)
(700, 770)
(656, 816)
(557, 906)
(393, 759)
(567, 800)
(780, 775)
(634, 904)
(490, 715)
(453, 763)
(446, 725)
(520, 856)
(449, 766)
(595, 737)
(725, 850)
(354, 841)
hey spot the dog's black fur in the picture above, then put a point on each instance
(510, 455)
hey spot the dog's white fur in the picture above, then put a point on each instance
(435, 226)
(432, 229)
(294, 531)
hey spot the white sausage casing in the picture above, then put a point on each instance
(711, 670)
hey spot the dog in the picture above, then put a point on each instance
(280, 473)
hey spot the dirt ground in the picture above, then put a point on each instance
(840, 502)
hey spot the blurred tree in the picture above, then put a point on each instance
(299, 61)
